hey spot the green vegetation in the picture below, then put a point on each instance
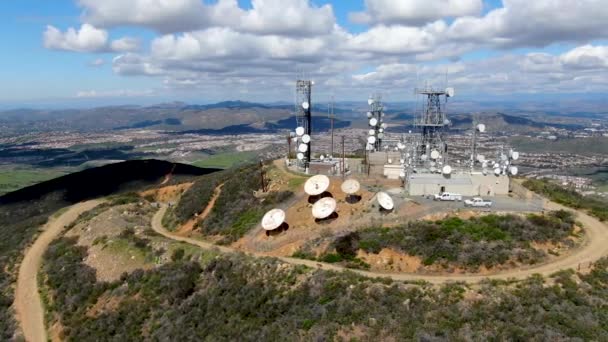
(233, 297)
(15, 179)
(596, 206)
(226, 160)
(228, 217)
(489, 240)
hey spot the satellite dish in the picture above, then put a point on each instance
(484, 164)
(497, 171)
(496, 165)
(371, 140)
(515, 155)
(506, 162)
(273, 219)
(350, 186)
(305, 105)
(401, 161)
(433, 163)
(434, 154)
(373, 122)
(303, 148)
(446, 122)
(423, 157)
(447, 170)
(390, 161)
(433, 169)
(383, 125)
(370, 101)
(449, 92)
(380, 136)
(481, 158)
(514, 170)
(481, 128)
(316, 185)
(400, 146)
(299, 131)
(503, 157)
(323, 207)
(306, 138)
(369, 114)
(322, 157)
(385, 201)
(372, 132)
(369, 147)
(381, 130)
(295, 139)
(300, 156)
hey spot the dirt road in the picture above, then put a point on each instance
(30, 313)
(594, 248)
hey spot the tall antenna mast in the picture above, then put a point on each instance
(303, 116)
(331, 122)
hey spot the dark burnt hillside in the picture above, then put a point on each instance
(104, 180)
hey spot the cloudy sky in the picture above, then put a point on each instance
(204, 51)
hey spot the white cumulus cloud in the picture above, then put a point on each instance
(86, 39)
(414, 12)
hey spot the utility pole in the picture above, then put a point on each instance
(343, 163)
(331, 122)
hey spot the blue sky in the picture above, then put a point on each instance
(217, 50)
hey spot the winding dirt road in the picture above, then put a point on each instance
(594, 248)
(28, 306)
(30, 312)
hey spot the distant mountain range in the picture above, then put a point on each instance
(234, 117)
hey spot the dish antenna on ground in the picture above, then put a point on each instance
(323, 208)
(350, 186)
(316, 185)
(273, 219)
(300, 131)
(385, 201)
(306, 138)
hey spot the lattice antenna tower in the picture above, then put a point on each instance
(303, 108)
(431, 120)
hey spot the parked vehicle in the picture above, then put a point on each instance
(477, 202)
(448, 196)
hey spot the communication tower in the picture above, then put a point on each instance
(432, 121)
(303, 108)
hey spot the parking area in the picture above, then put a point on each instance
(499, 204)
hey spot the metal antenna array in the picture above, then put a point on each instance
(303, 108)
(375, 118)
(432, 121)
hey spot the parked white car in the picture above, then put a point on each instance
(477, 202)
(448, 196)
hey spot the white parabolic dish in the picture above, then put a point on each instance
(385, 201)
(373, 122)
(371, 140)
(300, 131)
(434, 154)
(447, 170)
(273, 219)
(372, 132)
(305, 105)
(513, 170)
(316, 185)
(515, 155)
(369, 114)
(481, 128)
(323, 207)
(303, 148)
(370, 101)
(306, 138)
(300, 156)
(350, 186)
